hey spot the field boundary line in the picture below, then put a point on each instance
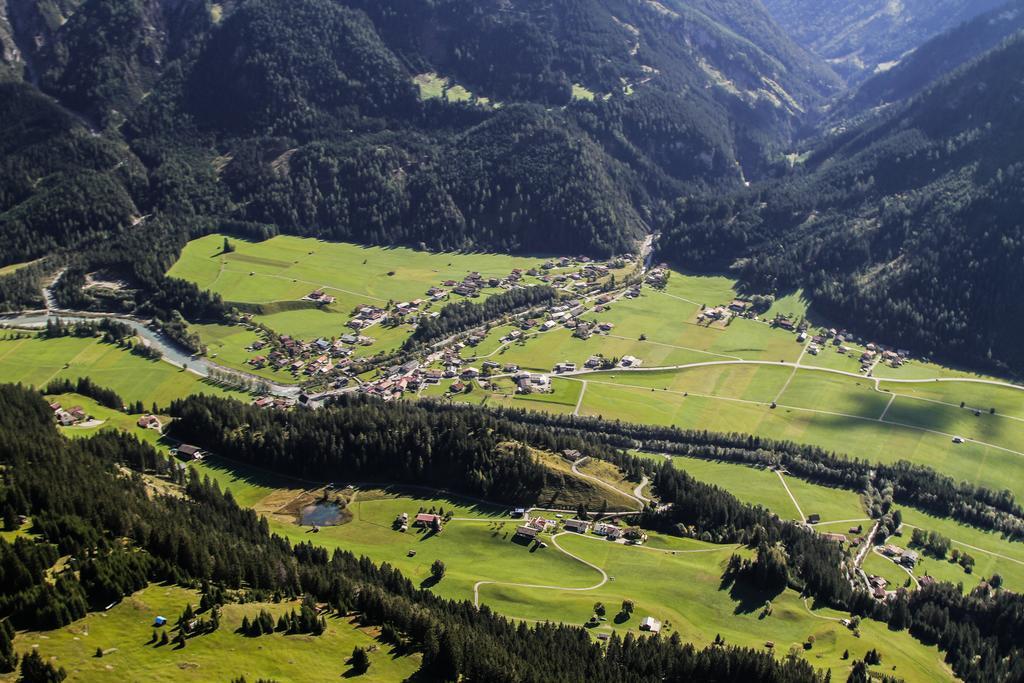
(892, 397)
(791, 496)
(579, 401)
(673, 346)
(796, 366)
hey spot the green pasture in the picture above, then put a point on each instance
(285, 269)
(36, 361)
(676, 580)
(759, 486)
(876, 564)
(124, 631)
(1008, 401)
(992, 553)
(818, 409)
(15, 267)
(684, 590)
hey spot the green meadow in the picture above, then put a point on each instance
(36, 361)
(276, 273)
(124, 632)
(683, 589)
(675, 580)
(760, 486)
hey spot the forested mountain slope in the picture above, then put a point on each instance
(909, 227)
(933, 60)
(858, 37)
(559, 126)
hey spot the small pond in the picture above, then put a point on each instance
(321, 514)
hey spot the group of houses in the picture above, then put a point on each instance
(70, 416)
(273, 403)
(871, 355)
(903, 556)
(311, 358)
(531, 527)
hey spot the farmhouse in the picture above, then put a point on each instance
(190, 451)
(909, 558)
(650, 624)
(838, 538)
(426, 519)
(149, 422)
(580, 526)
(527, 531)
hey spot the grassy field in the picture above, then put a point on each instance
(676, 580)
(833, 411)
(278, 272)
(227, 346)
(15, 267)
(876, 564)
(36, 361)
(837, 507)
(684, 590)
(763, 487)
(124, 632)
(992, 553)
(432, 86)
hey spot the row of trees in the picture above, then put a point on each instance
(465, 315)
(901, 481)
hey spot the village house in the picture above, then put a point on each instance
(580, 526)
(527, 531)
(565, 366)
(149, 422)
(427, 520)
(785, 323)
(190, 451)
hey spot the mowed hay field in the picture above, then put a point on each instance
(285, 269)
(36, 361)
(124, 631)
(676, 580)
(836, 412)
